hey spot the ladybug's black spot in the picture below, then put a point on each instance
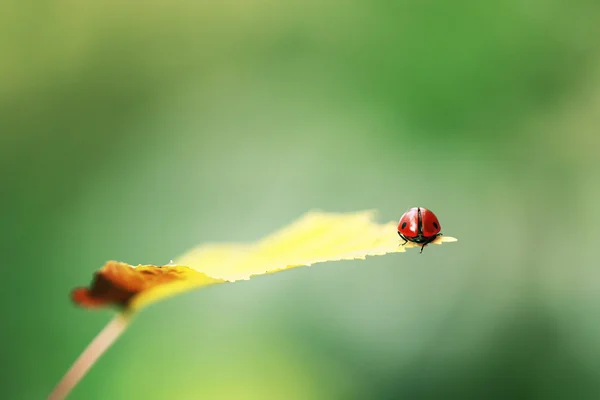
(403, 225)
(435, 225)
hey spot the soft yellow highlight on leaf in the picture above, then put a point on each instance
(314, 238)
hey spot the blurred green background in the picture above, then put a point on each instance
(135, 131)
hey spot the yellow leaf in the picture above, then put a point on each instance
(314, 238)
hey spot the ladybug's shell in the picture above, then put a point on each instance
(409, 223)
(419, 222)
(430, 225)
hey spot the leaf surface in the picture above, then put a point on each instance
(316, 237)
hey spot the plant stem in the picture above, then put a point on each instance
(90, 355)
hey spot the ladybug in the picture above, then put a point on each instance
(419, 225)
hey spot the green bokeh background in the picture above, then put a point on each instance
(134, 131)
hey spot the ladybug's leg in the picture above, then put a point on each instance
(405, 239)
(429, 241)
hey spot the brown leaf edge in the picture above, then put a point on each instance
(117, 284)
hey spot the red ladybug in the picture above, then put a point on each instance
(419, 225)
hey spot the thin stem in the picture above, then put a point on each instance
(90, 355)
